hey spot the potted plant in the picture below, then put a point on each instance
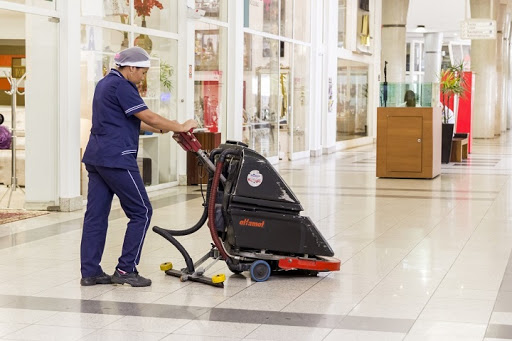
(453, 86)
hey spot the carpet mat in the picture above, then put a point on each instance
(9, 216)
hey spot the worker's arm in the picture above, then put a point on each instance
(157, 122)
(145, 127)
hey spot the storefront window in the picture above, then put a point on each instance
(158, 91)
(159, 15)
(301, 96)
(351, 118)
(262, 16)
(214, 9)
(287, 18)
(342, 12)
(46, 4)
(363, 24)
(210, 65)
(302, 24)
(261, 94)
(29, 53)
(286, 116)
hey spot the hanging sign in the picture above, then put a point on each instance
(478, 29)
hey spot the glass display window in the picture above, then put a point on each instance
(210, 55)
(408, 57)
(206, 50)
(342, 22)
(466, 55)
(363, 26)
(417, 56)
(45, 4)
(287, 18)
(157, 14)
(261, 96)
(262, 15)
(301, 97)
(302, 18)
(352, 114)
(158, 90)
(214, 9)
(414, 63)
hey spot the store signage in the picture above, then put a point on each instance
(478, 29)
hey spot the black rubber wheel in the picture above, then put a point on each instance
(1, 118)
(260, 271)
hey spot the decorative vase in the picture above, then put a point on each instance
(143, 40)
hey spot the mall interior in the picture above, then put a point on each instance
(388, 120)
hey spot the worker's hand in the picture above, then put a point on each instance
(189, 124)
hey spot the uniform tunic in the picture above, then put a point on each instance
(111, 161)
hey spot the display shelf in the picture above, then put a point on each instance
(148, 148)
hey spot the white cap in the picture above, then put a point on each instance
(133, 56)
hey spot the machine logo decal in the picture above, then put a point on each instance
(247, 222)
(255, 178)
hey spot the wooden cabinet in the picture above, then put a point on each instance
(408, 142)
(195, 172)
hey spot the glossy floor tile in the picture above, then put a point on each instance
(420, 260)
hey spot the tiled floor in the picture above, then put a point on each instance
(421, 260)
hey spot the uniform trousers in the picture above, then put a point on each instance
(104, 182)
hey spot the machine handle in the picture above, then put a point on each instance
(187, 141)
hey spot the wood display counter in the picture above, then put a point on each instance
(408, 142)
(195, 170)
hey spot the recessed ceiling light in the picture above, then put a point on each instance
(420, 29)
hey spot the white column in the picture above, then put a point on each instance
(330, 75)
(235, 70)
(69, 107)
(317, 98)
(508, 65)
(501, 111)
(42, 114)
(185, 89)
(483, 63)
(433, 46)
(375, 76)
(394, 19)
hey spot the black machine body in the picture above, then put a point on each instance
(254, 218)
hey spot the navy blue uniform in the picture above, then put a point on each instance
(111, 160)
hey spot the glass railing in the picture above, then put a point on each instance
(409, 94)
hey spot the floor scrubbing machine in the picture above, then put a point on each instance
(253, 217)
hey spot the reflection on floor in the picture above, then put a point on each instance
(421, 260)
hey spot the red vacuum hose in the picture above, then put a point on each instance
(211, 211)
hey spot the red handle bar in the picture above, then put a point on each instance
(187, 141)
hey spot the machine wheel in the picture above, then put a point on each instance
(218, 278)
(260, 271)
(166, 266)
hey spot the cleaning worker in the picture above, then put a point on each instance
(118, 114)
